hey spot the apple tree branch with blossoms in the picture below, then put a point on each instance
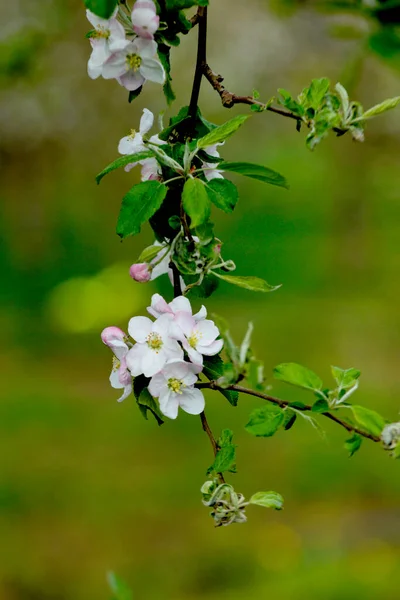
(166, 362)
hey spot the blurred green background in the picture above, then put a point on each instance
(86, 485)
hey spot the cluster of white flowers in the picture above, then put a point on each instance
(169, 351)
(133, 60)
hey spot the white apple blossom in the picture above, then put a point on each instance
(154, 345)
(106, 33)
(144, 18)
(134, 62)
(196, 337)
(120, 377)
(180, 304)
(174, 388)
(133, 143)
(211, 170)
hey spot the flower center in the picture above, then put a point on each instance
(133, 61)
(101, 32)
(154, 341)
(132, 134)
(194, 339)
(175, 385)
(116, 364)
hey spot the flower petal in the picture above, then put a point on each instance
(181, 304)
(192, 401)
(146, 122)
(185, 322)
(145, 48)
(152, 70)
(208, 331)
(169, 404)
(115, 65)
(134, 359)
(211, 349)
(157, 384)
(158, 305)
(131, 144)
(152, 361)
(127, 392)
(139, 328)
(131, 80)
(202, 314)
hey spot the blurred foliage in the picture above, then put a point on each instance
(87, 485)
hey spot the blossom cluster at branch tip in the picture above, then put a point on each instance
(126, 52)
(168, 351)
(390, 437)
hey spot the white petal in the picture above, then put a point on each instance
(185, 322)
(117, 33)
(114, 380)
(95, 20)
(172, 350)
(131, 144)
(202, 314)
(145, 48)
(211, 349)
(115, 65)
(157, 384)
(169, 404)
(208, 331)
(152, 70)
(150, 169)
(162, 266)
(134, 359)
(177, 369)
(152, 361)
(146, 122)
(139, 328)
(181, 304)
(192, 401)
(162, 325)
(194, 355)
(131, 80)
(127, 392)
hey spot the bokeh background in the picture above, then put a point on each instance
(86, 485)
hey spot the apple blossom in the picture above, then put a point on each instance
(197, 337)
(211, 170)
(140, 272)
(106, 33)
(179, 304)
(134, 62)
(174, 388)
(120, 377)
(133, 143)
(154, 345)
(144, 18)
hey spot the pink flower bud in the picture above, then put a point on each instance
(144, 19)
(140, 272)
(111, 335)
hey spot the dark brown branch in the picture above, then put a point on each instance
(194, 20)
(201, 61)
(213, 385)
(176, 279)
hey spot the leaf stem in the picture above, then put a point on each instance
(212, 439)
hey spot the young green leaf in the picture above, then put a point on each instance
(146, 402)
(267, 499)
(226, 456)
(297, 375)
(320, 406)
(223, 193)
(316, 92)
(213, 368)
(368, 419)
(122, 161)
(196, 203)
(255, 284)
(101, 8)
(345, 378)
(265, 421)
(379, 109)
(353, 444)
(139, 204)
(223, 132)
(118, 587)
(150, 252)
(254, 171)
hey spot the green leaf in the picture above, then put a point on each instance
(196, 203)
(267, 499)
(255, 373)
(150, 252)
(139, 204)
(320, 406)
(226, 456)
(213, 368)
(265, 421)
(298, 375)
(101, 8)
(223, 193)
(255, 284)
(118, 587)
(290, 418)
(316, 92)
(254, 171)
(379, 109)
(147, 402)
(369, 420)
(345, 378)
(122, 161)
(163, 52)
(223, 132)
(353, 444)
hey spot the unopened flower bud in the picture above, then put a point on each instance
(111, 335)
(144, 18)
(140, 272)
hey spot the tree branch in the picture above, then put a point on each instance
(201, 61)
(212, 439)
(213, 385)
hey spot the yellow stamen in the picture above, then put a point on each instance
(101, 32)
(175, 385)
(154, 341)
(133, 61)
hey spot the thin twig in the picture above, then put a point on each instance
(213, 385)
(212, 439)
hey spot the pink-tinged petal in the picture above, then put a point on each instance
(185, 322)
(211, 172)
(111, 334)
(157, 384)
(134, 359)
(117, 32)
(177, 369)
(131, 80)
(146, 122)
(152, 361)
(124, 376)
(114, 380)
(145, 48)
(150, 169)
(211, 349)
(208, 331)
(130, 166)
(158, 306)
(140, 272)
(139, 328)
(180, 304)
(152, 70)
(127, 392)
(169, 404)
(202, 314)
(192, 401)
(162, 325)
(115, 65)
